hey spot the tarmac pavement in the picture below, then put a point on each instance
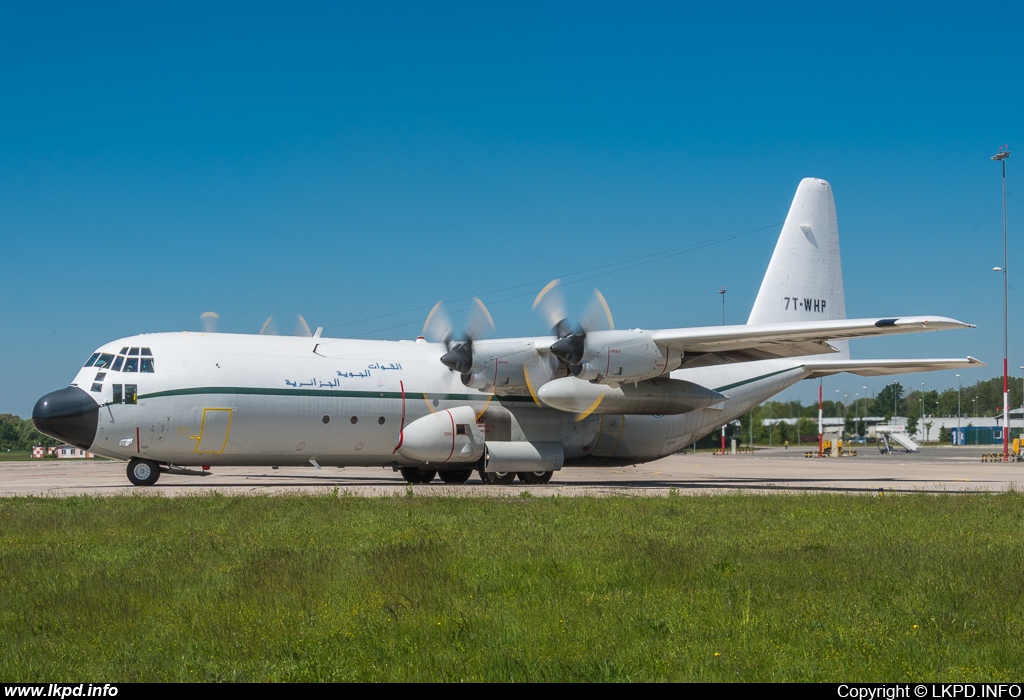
(933, 470)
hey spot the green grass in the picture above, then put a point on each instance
(735, 587)
(17, 456)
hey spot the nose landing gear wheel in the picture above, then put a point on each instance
(143, 472)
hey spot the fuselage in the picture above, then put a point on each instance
(192, 399)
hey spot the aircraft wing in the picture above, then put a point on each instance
(881, 368)
(719, 344)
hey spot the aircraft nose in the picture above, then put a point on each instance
(68, 414)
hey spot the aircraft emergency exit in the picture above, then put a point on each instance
(523, 407)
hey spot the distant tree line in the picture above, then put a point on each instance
(985, 396)
(19, 435)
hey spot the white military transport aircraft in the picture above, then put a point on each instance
(523, 407)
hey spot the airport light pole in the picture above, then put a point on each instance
(1001, 158)
(856, 414)
(920, 422)
(864, 423)
(959, 387)
(722, 292)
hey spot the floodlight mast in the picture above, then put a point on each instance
(1001, 157)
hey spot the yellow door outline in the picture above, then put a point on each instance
(202, 429)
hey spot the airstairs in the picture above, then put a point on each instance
(890, 434)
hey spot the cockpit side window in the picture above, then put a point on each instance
(117, 364)
(133, 351)
(147, 365)
(131, 364)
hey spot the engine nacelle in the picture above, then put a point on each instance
(451, 435)
(661, 396)
(622, 357)
(503, 366)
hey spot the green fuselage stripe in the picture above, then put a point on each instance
(334, 393)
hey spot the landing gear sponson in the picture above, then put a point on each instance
(419, 475)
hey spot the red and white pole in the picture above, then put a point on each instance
(820, 423)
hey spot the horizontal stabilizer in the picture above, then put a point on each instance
(882, 368)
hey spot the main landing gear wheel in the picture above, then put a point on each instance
(455, 476)
(143, 472)
(499, 478)
(535, 477)
(417, 475)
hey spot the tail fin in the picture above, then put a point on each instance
(804, 281)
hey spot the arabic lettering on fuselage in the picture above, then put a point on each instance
(360, 374)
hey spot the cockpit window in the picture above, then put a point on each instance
(138, 360)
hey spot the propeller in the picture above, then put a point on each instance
(571, 343)
(438, 328)
(301, 328)
(209, 320)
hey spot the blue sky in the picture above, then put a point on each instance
(348, 161)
